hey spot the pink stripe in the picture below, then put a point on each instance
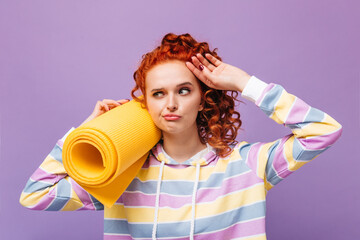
(177, 166)
(320, 142)
(41, 175)
(183, 238)
(267, 89)
(252, 158)
(297, 112)
(279, 162)
(44, 202)
(117, 237)
(153, 162)
(146, 164)
(60, 143)
(229, 185)
(82, 194)
(244, 229)
(238, 230)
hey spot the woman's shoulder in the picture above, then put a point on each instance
(238, 145)
(236, 148)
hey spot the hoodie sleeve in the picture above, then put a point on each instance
(50, 188)
(313, 131)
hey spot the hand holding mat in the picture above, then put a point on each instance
(104, 155)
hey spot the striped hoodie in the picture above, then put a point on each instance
(207, 196)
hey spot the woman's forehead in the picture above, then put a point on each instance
(169, 74)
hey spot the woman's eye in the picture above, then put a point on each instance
(184, 91)
(157, 94)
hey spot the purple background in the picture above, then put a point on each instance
(59, 57)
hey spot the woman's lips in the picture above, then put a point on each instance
(171, 117)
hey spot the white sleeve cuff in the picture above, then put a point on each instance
(64, 137)
(253, 89)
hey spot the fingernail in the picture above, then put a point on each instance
(201, 67)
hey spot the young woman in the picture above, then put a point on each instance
(198, 181)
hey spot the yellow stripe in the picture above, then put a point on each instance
(262, 237)
(116, 211)
(268, 185)
(220, 205)
(74, 203)
(52, 166)
(293, 165)
(31, 199)
(282, 107)
(328, 125)
(262, 159)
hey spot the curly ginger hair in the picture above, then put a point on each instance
(218, 122)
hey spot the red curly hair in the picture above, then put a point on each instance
(218, 122)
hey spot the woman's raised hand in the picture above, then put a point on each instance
(103, 106)
(217, 74)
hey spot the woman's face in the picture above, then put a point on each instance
(173, 97)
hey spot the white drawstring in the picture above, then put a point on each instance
(193, 203)
(192, 226)
(157, 200)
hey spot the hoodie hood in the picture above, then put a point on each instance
(202, 158)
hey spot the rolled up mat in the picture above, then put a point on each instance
(105, 154)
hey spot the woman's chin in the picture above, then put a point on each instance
(171, 131)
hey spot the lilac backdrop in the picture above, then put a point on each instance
(59, 57)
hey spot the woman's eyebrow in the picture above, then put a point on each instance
(184, 83)
(179, 85)
(156, 89)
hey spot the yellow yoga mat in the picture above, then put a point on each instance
(104, 155)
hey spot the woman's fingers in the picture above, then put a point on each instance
(200, 74)
(195, 70)
(199, 59)
(109, 104)
(104, 106)
(213, 59)
(123, 101)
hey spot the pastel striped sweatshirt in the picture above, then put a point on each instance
(207, 196)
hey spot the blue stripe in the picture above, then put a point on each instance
(292, 126)
(98, 205)
(178, 229)
(300, 153)
(63, 195)
(271, 175)
(315, 115)
(32, 186)
(56, 153)
(308, 155)
(298, 149)
(271, 98)
(186, 187)
(244, 150)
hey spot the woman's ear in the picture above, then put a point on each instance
(202, 103)
(201, 107)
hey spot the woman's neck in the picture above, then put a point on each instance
(182, 146)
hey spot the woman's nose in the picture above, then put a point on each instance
(171, 105)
